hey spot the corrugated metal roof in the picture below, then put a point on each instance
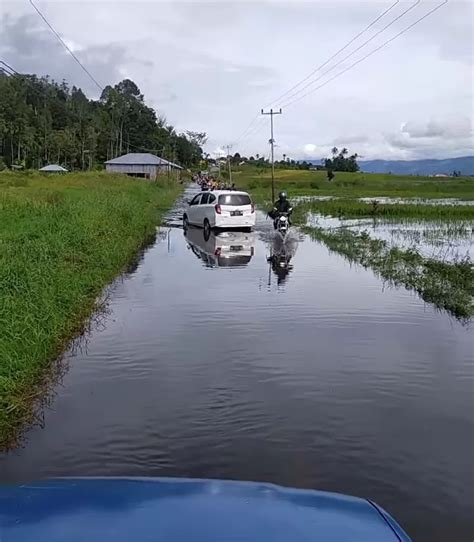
(53, 167)
(141, 159)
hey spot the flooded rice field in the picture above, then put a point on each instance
(238, 356)
(440, 240)
(387, 200)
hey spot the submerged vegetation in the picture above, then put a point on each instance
(448, 285)
(352, 208)
(62, 239)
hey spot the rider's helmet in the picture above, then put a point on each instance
(282, 196)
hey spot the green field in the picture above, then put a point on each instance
(349, 185)
(62, 239)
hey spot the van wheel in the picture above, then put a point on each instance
(207, 227)
(185, 223)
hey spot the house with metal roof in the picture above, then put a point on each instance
(53, 168)
(144, 165)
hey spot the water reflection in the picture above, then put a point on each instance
(225, 249)
(339, 384)
(282, 251)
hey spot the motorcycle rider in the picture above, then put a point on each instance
(281, 205)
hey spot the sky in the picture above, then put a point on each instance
(212, 66)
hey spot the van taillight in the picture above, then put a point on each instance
(253, 208)
(218, 209)
(218, 251)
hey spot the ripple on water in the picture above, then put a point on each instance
(326, 379)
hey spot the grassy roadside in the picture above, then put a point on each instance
(349, 185)
(62, 239)
(449, 286)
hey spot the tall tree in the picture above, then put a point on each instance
(44, 121)
(341, 162)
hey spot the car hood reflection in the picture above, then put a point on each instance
(226, 249)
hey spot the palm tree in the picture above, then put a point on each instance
(334, 151)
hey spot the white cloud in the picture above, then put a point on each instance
(314, 152)
(455, 128)
(219, 152)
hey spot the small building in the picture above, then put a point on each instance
(53, 168)
(144, 165)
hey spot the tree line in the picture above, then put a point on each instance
(340, 160)
(43, 121)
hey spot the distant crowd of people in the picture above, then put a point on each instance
(209, 182)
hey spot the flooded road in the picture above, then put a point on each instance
(234, 357)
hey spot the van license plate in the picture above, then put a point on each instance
(236, 213)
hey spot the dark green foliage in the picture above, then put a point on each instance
(42, 122)
(340, 161)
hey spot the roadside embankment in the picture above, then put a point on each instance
(62, 240)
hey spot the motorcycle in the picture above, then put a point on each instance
(283, 223)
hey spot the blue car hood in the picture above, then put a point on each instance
(186, 510)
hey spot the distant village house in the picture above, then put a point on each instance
(53, 168)
(144, 165)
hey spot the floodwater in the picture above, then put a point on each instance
(387, 200)
(239, 357)
(440, 240)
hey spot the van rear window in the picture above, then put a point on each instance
(234, 199)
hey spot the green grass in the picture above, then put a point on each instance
(352, 208)
(448, 285)
(62, 239)
(301, 182)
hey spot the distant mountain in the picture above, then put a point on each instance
(464, 164)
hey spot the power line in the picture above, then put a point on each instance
(255, 129)
(66, 47)
(251, 123)
(8, 67)
(248, 132)
(83, 67)
(406, 29)
(370, 25)
(354, 51)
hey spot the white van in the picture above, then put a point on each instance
(220, 209)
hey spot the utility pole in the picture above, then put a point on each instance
(272, 142)
(228, 161)
(218, 159)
